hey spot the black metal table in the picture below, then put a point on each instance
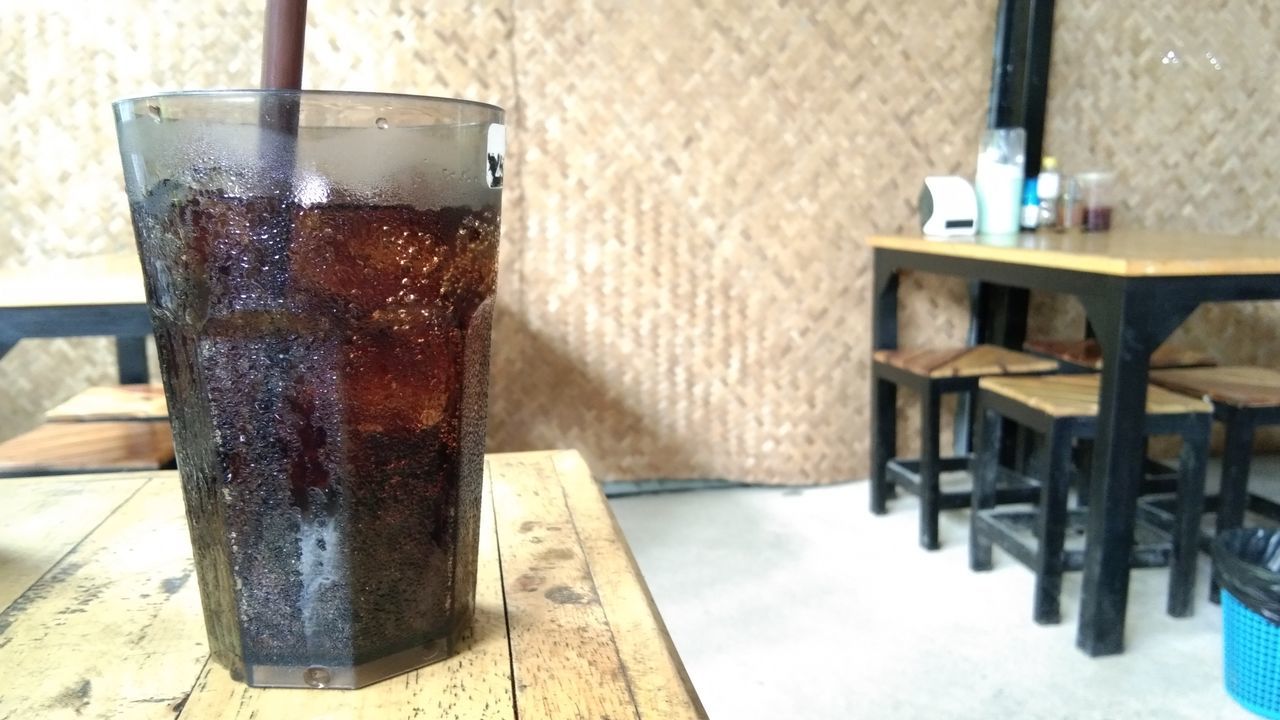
(99, 295)
(1136, 288)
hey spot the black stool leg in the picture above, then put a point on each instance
(1084, 470)
(930, 492)
(1186, 536)
(986, 465)
(884, 441)
(1052, 523)
(1233, 495)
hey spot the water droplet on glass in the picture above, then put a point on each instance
(381, 123)
(154, 112)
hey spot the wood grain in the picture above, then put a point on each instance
(111, 279)
(1077, 395)
(564, 628)
(1088, 353)
(659, 683)
(114, 630)
(41, 519)
(88, 447)
(1122, 253)
(1241, 386)
(475, 683)
(112, 402)
(565, 660)
(973, 361)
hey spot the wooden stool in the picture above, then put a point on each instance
(87, 447)
(112, 402)
(1243, 398)
(1086, 355)
(1062, 408)
(931, 374)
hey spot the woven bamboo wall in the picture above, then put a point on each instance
(1181, 101)
(684, 282)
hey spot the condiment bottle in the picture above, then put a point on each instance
(1048, 187)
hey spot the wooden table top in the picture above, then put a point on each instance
(1122, 253)
(113, 279)
(102, 615)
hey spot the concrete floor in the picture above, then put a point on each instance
(790, 603)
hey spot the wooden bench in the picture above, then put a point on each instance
(1063, 409)
(63, 448)
(932, 373)
(112, 402)
(1243, 398)
(102, 611)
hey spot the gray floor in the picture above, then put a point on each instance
(800, 604)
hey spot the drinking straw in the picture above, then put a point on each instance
(282, 40)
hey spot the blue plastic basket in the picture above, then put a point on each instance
(1252, 666)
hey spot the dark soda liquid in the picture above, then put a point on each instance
(327, 369)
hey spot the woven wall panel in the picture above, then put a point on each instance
(684, 280)
(1180, 100)
(699, 179)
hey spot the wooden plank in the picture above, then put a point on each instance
(1122, 253)
(112, 402)
(88, 447)
(42, 519)
(475, 683)
(115, 629)
(974, 361)
(566, 663)
(1077, 395)
(114, 279)
(992, 360)
(659, 683)
(1088, 352)
(1241, 386)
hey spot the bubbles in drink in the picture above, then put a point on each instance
(327, 366)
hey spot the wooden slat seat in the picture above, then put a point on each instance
(976, 361)
(65, 448)
(1239, 386)
(115, 402)
(1077, 395)
(1088, 353)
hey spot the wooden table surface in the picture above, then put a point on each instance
(1122, 253)
(102, 615)
(112, 279)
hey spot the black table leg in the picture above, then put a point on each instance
(884, 411)
(1131, 321)
(131, 357)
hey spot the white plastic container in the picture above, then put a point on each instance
(999, 180)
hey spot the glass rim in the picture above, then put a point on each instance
(331, 94)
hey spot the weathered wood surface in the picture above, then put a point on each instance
(1077, 395)
(975, 361)
(112, 402)
(88, 447)
(108, 621)
(1239, 386)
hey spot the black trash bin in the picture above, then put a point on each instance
(1246, 563)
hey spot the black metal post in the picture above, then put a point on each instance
(884, 410)
(1020, 71)
(131, 357)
